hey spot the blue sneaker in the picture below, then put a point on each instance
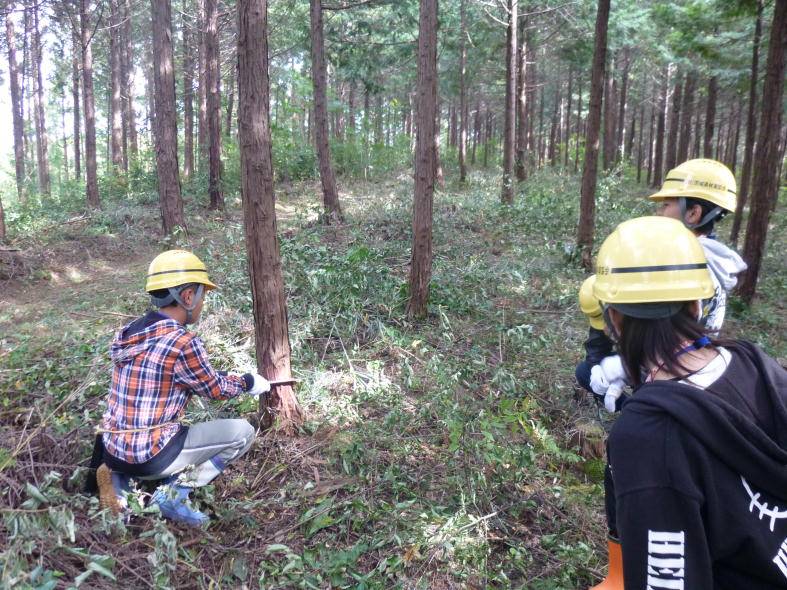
(173, 503)
(113, 487)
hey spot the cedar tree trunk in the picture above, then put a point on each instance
(89, 107)
(507, 193)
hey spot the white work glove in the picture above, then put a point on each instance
(608, 379)
(611, 398)
(259, 386)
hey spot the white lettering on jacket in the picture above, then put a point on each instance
(781, 558)
(773, 513)
(666, 560)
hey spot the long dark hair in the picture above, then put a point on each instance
(644, 343)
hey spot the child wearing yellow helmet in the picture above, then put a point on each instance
(697, 457)
(157, 366)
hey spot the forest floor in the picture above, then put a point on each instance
(450, 453)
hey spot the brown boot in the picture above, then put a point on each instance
(110, 490)
(614, 579)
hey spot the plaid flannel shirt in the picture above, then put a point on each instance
(156, 371)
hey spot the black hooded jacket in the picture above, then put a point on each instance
(700, 480)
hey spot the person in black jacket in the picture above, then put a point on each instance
(698, 456)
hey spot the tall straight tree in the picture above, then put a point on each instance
(661, 123)
(42, 147)
(425, 159)
(165, 123)
(751, 129)
(188, 99)
(213, 103)
(131, 144)
(462, 91)
(686, 114)
(507, 193)
(671, 156)
(16, 107)
(587, 204)
(76, 47)
(271, 336)
(115, 114)
(88, 106)
(710, 117)
(765, 184)
(521, 102)
(330, 196)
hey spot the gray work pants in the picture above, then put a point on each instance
(209, 448)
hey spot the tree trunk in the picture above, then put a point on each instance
(751, 129)
(507, 193)
(661, 123)
(554, 139)
(621, 130)
(128, 83)
(188, 101)
(2, 217)
(588, 191)
(271, 334)
(213, 104)
(75, 58)
(330, 196)
(230, 99)
(115, 117)
(610, 119)
(567, 135)
(425, 160)
(640, 141)
(166, 131)
(63, 133)
(89, 107)
(202, 89)
(42, 148)
(521, 110)
(736, 137)
(351, 114)
(578, 129)
(765, 184)
(476, 131)
(541, 125)
(651, 137)
(710, 117)
(674, 127)
(687, 113)
(462, 92)
(16, 107)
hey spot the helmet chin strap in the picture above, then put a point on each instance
(712, 214)
(194, 302)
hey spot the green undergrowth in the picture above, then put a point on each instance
(435, 454)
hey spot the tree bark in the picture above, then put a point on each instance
(16, 107)
(166, 131)
(588, 191)
(522, 110)
(230, 98)
(651, 135)
(710, 117)
(89, 107)
(507, 193)
(621, 129)
(751, 129)
(271, 335)
(554, 138)
(578, 129)
(765, 184)
(115, 116)
(213, 104)
(610, 119)
(42, 147)
(2, 224)
(332, 211)
(686, 115)
(661, 122)
(640, 141)
(567, 135)
(188, 101)
(129, 116)
(476, 131)
(75, 58)
(202, 91)
(425, 160)
(462, 92)
(674, 127)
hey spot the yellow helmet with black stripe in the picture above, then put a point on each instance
(651, 260)
(703, 179)
(174, 268)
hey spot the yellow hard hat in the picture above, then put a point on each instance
(590, 305)
(174, 268)
(651, 260)
(708, 180)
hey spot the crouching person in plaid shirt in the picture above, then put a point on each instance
(158, 366)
